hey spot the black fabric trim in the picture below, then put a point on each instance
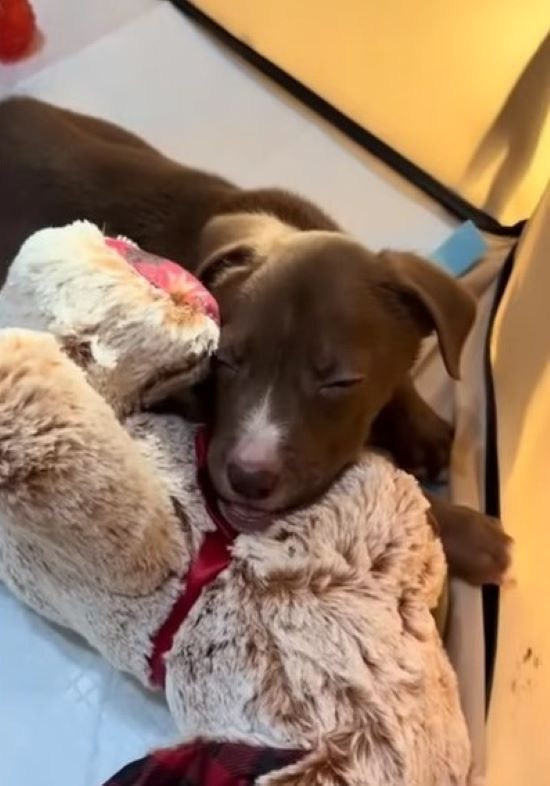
(128, 775)
(450, 200)
(491, 594)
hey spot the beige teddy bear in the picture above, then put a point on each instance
(316, 634)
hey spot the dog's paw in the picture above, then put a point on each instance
(477, 548)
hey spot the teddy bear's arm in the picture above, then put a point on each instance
(71, 475)
(355, 757)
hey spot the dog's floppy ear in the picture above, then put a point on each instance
(233, 245)
(226, 265)
(437, 300)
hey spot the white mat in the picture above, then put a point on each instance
(66, 719)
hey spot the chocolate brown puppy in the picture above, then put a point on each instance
(318, 334)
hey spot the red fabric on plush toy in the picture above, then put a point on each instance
(213, 557)
(167, 275)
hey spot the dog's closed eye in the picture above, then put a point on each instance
(229, 359)
(337, 385)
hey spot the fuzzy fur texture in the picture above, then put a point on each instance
(319, 633)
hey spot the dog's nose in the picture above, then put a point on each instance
(252, 481)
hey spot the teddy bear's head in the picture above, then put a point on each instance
(140, 326)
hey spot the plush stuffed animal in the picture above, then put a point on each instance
(314, 635)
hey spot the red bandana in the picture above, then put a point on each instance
(213, 557)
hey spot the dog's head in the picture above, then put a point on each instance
(317, 333)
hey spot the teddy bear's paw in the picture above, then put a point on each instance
(18, 345)
(30, 363)
(36, 402)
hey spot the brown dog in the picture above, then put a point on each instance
(318, 334)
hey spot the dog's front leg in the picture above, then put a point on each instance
(71, 476)
(476, 546)
(418, 439)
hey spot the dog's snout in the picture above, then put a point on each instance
(251, 480)
(254, 462)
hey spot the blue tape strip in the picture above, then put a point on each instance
(461, 250)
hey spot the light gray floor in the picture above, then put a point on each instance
(66, 719)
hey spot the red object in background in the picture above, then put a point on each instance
(17, 28)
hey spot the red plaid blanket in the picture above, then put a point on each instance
(205, 764)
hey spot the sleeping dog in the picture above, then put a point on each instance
(319, 335)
